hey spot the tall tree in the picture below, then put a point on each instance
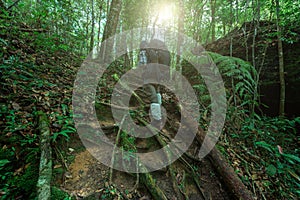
(112, 19)
(281, 63)
(213, 19)
(255, 21)
(237, 11)
(93, 27)
(87, 29)
(110, 27)
(180, 26)
(231, 26)
(99, 21)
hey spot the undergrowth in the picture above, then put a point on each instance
(275, 144)
(25, 90)
(264, 151)
(19, 156)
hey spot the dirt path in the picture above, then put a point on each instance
(88, 178)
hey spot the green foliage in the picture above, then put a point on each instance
(19, 153)
(274, 141)
(240, 79)
(28, 187)
(128, 142)
(55, 27)
(3, 162)
(65, 121)
(133, 15)
(18, 182)
(57, 194)
(238, 75)
(273, 130)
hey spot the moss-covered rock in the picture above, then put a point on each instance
(266, 61)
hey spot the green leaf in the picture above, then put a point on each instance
(62, 133)
(293, 157)
(297, 119)
(3, 41)
(271, 170)
(293, 174)
(264, 145)
(64, 108)
(3, 162)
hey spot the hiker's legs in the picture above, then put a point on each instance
(151, 91)
(155, 105)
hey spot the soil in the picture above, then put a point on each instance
(88, 177)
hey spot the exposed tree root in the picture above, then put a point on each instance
(114, 150)
(113, 106)
(231, 179)
(180, 193)
(152, 187)
(45, 170)
(145, 178)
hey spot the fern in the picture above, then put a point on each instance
(240, 79)
(240, 74)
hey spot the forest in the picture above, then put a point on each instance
(150, 99)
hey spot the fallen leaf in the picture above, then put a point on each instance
(27, 165)
(18, 171)
(280, 149)
(57, 166)
(294, 174)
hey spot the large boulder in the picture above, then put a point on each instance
(240, 40)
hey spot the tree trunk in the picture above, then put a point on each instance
(112, 19)
(256, 19)
(87, 30)
(45, 170)
(198, 16)
(110, 28)
(213, 20)
(230, 178)
(99, 24)
(237, 11)
(93, 27)
(180, 27)
(231, 26)
(281, 64)
(232, 181)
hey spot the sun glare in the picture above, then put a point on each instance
(165, 14)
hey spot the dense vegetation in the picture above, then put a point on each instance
(44, 42)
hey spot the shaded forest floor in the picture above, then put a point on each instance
(33, 80)
(28, 88)
(88, 178)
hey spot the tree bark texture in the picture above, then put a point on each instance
(213, 20)
(110, 29)
(281, 63)
(93, 27)
(45, 169)
(230, 178)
